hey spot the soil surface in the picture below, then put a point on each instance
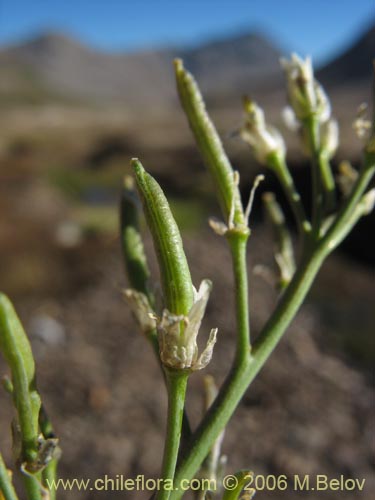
(309, 412)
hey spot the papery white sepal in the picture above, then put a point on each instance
(207, 352)
(141, 309)
(178, 334)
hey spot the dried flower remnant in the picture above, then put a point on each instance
(231, 228)
(178, 345)
(142, 310)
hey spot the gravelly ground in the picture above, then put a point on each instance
(308, 412)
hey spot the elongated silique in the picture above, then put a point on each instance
(209, 144)
(174, 270)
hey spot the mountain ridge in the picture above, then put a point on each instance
(67, 65)
(354, 62)
(62, 65)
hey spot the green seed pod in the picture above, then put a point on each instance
(131, 239)
(174, 270)
(16, 349)
(209, 144)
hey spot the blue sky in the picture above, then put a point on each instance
(320, 28)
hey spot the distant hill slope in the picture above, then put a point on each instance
(55, 67)
(354, 65)
(234, 65)
(69, 68)
(66, 67)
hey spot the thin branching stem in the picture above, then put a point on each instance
(6, 486)
(328, 181)
(312, 127)
(176, 384)
(317, 244)
(323, 183)
(49, 473)
(238, 246)
(16, 349)
(33, 486)
(284, 255)
(242, 375)
(348, 215)
(282, 172)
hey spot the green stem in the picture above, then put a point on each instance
(6, 485)
(344, 220)
(33, 486)
(242, 375)
(211, 465)
(49, 473)
(284, 255)
(176, 384)
(311, 126)
(324, 188)
(278, 165)
(50, 477)
(238, 245)
(16, 349)
(328, 182)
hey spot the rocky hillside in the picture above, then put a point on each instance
(53, 66)
(354, 64)
(65, 67)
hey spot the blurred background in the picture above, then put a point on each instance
(84, 87)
